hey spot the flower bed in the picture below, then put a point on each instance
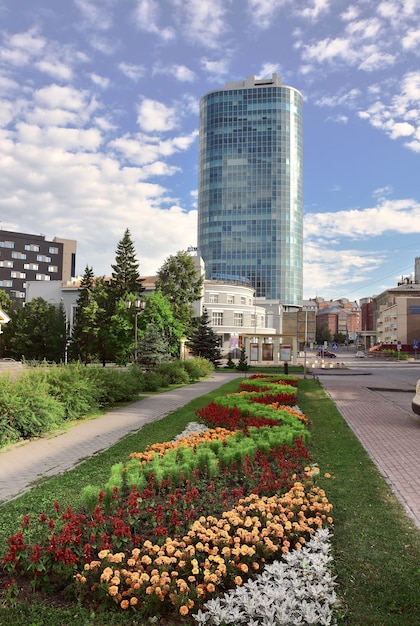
(186, 520)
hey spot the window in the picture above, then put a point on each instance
(18, 255)
(53, 250)
(52, 268)
(238, 319)
(230, 298)
(17, 275)
(42, 277)
(31, 266)
(217, 318)
(6, 263)
(213, 298)
(43, 258)
(32, 247)
(6, 283)
(243, 300)
(7, 244)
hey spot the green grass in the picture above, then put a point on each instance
(376, 546)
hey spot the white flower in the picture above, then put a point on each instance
(296, 591)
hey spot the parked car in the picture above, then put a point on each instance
(415, 403)
(326, 353)
(360, 354)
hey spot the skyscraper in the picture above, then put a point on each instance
(250, 191)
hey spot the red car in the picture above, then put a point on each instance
(326, 353)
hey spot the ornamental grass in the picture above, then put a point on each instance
(183, 521)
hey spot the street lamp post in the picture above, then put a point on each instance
(139, 306)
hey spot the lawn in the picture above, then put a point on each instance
(376, 546)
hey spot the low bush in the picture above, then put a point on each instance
(173, 373)
(198, 367)
(115, 385)
(152, 381)
(26, 409)
(41, 398)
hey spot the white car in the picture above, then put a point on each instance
(360, 354)
(415, 403)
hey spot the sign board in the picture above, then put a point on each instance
(254, 352)
(415, 344)
(334, 346)
(285, 353)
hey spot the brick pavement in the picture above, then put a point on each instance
(388, 431)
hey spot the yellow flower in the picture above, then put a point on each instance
(113, 590)
(238, 581)
(103, 554)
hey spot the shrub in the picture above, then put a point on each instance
(204, 366)
(153, 381)
(26, 409)
(173, 372)
(114, 385)
(71, 385)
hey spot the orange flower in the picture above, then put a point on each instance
(125, 604)
(183, 610)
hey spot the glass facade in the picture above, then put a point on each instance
(250, 192)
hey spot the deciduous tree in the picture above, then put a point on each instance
(179, 281)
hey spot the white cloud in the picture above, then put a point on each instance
(101, 81)
(144, 149)
(95, 14)
(328, 269)
(376, 60)
(56, 69)
(179, 72)
(390, 215)
(351, 13)
(216, 68)
(155, 116)
(132, 71)
(313, 12)
(411, 41)
(202, 21)
(401, 116)
(268, 69)
(147, 15)
(263, 12)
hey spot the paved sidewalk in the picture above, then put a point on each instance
(25, 463)
(386, 427)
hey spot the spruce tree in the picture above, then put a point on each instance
(85, 329)
(204, 342)
(125, 274)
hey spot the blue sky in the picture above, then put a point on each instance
(99, 124)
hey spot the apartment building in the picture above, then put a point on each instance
(26, 257)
